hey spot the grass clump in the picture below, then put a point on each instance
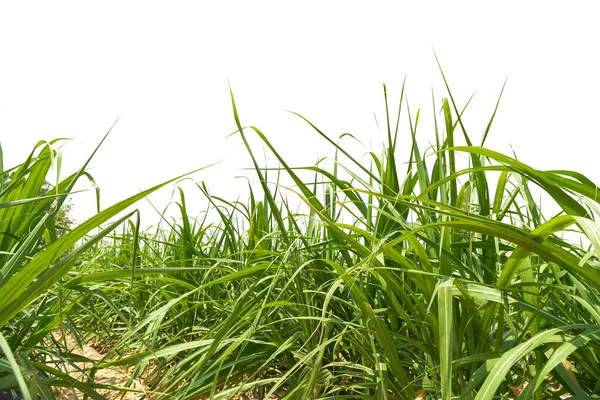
(441, 281)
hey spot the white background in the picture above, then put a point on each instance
(70, 69)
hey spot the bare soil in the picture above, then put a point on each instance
(115, 376)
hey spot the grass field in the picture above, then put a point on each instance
(410, 274)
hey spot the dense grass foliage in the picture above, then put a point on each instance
(439, 280)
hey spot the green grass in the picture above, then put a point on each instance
(445, 277)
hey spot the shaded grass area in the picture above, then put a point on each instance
(444, 280)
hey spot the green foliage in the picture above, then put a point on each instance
(446, 279)
(29, 274)
(63, 221)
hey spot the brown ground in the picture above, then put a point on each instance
(117, 376)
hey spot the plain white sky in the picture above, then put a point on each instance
(69, 69)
